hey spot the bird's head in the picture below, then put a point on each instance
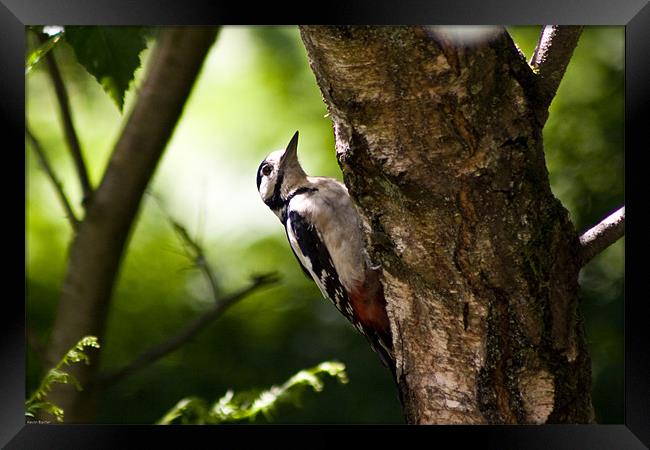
(280, 174)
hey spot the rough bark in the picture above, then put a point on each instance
(101, 238)
(440, 145)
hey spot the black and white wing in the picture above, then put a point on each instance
(313, 255)
(302, 266)
(311, 252)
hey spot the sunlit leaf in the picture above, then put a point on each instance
(248, 405)
(56, 374)
(188, 410)
(48, 407)
(35, 56)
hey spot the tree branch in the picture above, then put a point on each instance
(598, 238)
(98, 248)
(58, 186)
(192, 329)
(551, 58)
(68, 125)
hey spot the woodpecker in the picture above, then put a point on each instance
(325, 234)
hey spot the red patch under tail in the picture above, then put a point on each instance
(369, 306)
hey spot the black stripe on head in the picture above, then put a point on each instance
(276, 202)
(259, 174)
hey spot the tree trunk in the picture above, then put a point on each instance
(102, 236)
(440, 145)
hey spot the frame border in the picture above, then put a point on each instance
(634, 14)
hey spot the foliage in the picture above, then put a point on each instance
(110, 54)
(36, 402)
(248, 405)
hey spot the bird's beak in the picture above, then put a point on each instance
(291, 153)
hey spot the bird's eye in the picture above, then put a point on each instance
(267, 169)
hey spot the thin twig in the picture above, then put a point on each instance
(68, 124)
(598, 238)
(551, 58)
(198, 257)
(58, 186)
(196, 253)
(192, 329)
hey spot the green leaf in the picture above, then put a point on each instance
(249, 404)
(191, 410)
(76, 354)
(110, 54)
(47, 407)
(35, 56)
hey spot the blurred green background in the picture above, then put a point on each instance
(254, 91)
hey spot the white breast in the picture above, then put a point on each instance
(331, 211)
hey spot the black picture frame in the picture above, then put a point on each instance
(633, 14)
